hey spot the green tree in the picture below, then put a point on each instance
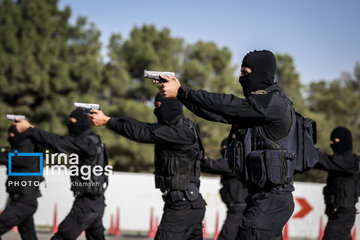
(46, 63)
(208, 67)
(332, 104)
(289, 80)
(339, 101)
(126, 90)
(148, 48)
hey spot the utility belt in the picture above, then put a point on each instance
(181, 195)
(173, 196)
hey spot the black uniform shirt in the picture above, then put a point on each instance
(19, 163)
(347, 162)
(81, 145)
(159, 133)
(344, 165)
(343, 178)
(269, 111)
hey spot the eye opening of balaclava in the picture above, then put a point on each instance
(263, 69)
(81, 125)
(223, 145)
(345, 137)
(169, 108)
(18, 139)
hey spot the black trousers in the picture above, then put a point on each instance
(182, 220)
(265, 216)
(232, 222)
(19, 212)
(340, 224)
(85, 215)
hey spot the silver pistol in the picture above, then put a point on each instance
(86, 107)
(13, 117)
(156, 75)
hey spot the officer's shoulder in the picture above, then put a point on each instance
(263, 98)
(185, 124)
(91, 139)
(94, 138)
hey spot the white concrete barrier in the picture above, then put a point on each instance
(135, 194)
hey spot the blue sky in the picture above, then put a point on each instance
(322, 36)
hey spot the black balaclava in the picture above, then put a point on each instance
(345, 142)
(169, 108)
(19, 139)
(223, 146)
(82, 124)
(262, 76)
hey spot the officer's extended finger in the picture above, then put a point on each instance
(95, 111)
(165, 77)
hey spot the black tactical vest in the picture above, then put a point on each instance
(340, 191)
(96, 185)
(266, 163)
(177, 167)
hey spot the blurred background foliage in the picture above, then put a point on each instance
(47, 63)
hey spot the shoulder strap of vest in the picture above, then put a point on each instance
(101, 152)
(97, 142)
(198, 141)
(195, 128)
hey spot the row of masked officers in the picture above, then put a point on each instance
(257, 193)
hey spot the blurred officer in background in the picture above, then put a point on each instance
(233, 193)
(340, 192)
(88, 208)
(23, 190)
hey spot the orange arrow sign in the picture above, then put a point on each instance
(305, 208)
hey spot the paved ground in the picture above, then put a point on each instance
(47, 236)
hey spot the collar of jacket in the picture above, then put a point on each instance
(174, 120)
(87, 132)
(273, 88)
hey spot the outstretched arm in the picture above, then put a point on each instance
(143, 132)
(54, 141)
(210, 116)
(337, 162)
(231, 108)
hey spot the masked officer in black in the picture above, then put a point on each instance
(177, 164)
(340, 192)
(23, 190)
(88, 208)
(267, 114)
(233, 193)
